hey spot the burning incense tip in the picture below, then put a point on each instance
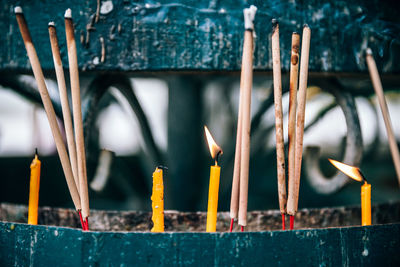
(274, 23)
(369, 51)
(18, 10)
(51, 24)
(249, 14)
(68, 14)
(351, 171)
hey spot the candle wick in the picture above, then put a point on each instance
(363, 177)
(217, 157)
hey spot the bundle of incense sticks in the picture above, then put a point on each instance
(240, 179)
(296, 126)
(73, 162)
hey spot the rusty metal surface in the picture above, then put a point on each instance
(203, 35)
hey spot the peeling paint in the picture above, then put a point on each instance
(340, 32)
(106, 7)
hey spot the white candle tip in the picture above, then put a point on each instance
(18, 10)
(68, 14)
(369, 51)
(52, 24)
(249, 15)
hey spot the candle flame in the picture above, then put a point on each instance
(352, 172)
(215, 150)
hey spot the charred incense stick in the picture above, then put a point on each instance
(376, 82)
(64, 100)
(48, 106)
(294, 76)
(247, 78)
(280, 145)
(294, 184)
(77, 113)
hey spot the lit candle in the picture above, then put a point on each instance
(215, 171)
(34, 191)
(355, 173)
(157, 199)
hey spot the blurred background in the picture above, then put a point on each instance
(153, 73)
(125, 180)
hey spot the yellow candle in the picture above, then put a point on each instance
(157, 199)
(215, 171)
(34, 191)
(355, 173)
(366, 204)
(213, 199)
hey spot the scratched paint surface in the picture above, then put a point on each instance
(23, 245)
(203, 35)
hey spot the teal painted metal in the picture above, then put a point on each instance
(23, 245)
(204, 35)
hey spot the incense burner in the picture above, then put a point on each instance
(332, 237)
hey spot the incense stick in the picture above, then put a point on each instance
(48, 106)
(294, 184)
(247, 78)
(64, 100)
(236, 169)
(294, 76)
(377, 84)
(280, 145)
(77, 112)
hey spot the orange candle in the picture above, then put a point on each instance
(355, 173)
(366, 204)
(213, 199)
(34, 191)
(157, 199)
(215, 171)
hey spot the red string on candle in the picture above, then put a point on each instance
(291, 222)
(231, 227)
(283, 221)
(87, 224)
(242, 228)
